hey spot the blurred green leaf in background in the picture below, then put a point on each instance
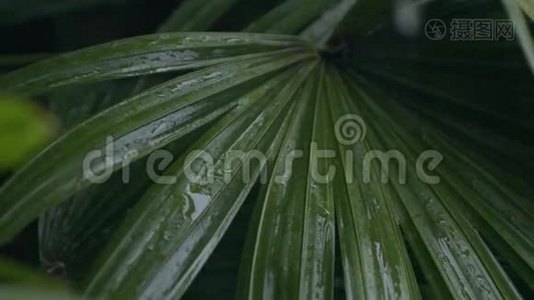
(25, 128)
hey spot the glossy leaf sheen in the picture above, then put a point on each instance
(322, 29)
(67, 232)
(293, 251)
(509, 213)
(157, 255)
(452, 250)
(139, 125)
(140, 56)
(380, 268)
(521, 26)
(317, 259)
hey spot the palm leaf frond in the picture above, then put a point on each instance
(248, 115)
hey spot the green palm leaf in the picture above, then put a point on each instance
(248, 115)
(525, 37)
(141, 56)
(450, 240)
(203, 209)
(382, 262)
(296, 217)
(159, 113)
(64, 234)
